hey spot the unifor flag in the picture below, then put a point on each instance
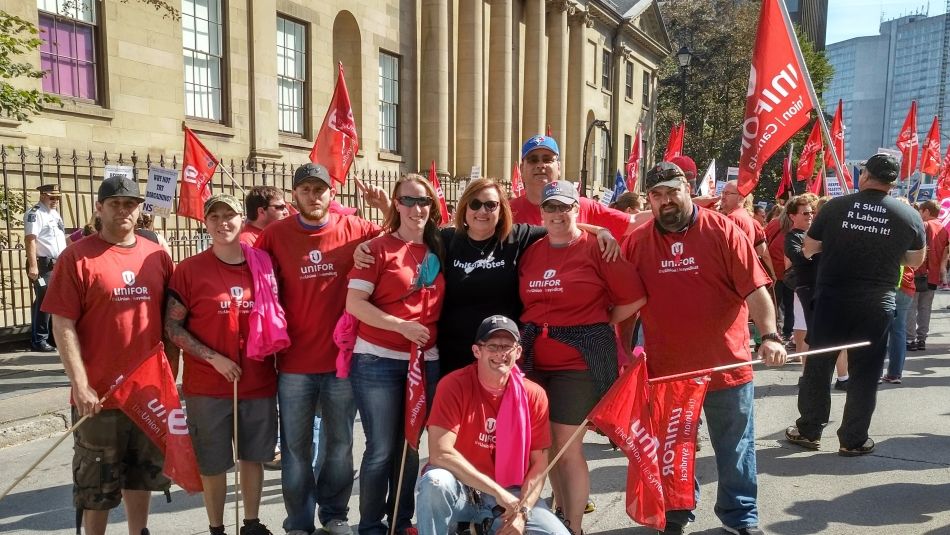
(623, 414)
(620, 187)
(517, 186)
(633, 161)
(930, 157)
(785, 186)
(819, 181)
(908, 144)
(674, 145)
(149, 398)
(676, 409)
(943, 181)
(779, 95)
(707, 184)
(198, 166)
(337, 141)
(415, 406)
(806, 162)
(837, 139)
(437, 186)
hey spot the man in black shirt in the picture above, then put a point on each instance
(864, 238)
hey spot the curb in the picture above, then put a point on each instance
(36, 427)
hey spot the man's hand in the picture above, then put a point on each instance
(510, 503)
(514, 526)
(32, 272)
(226, 367)
(706, 201)
(86, 400)
(609, 246)
(361, 256)
(773, 353)
(376, 197)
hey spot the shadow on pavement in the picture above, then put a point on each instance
(902, 454)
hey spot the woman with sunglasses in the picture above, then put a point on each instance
(572, 301)
(799, 213)
(397, 300)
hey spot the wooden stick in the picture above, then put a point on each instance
(402, 472)
(579, 432)
(224, 170)
(237, 472)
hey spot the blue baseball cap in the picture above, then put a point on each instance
(539, 142)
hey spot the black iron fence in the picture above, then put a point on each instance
(78, 175)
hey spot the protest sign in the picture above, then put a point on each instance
(160, 191)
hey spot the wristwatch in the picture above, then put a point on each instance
(773, 337)
(525, 513)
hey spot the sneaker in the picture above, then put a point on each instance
(672, 529)
(752, 530)
(275, 464)
(337, 527)
(795, 437)
(254, 528)
(43, 347)
(841, 385)
(912, 345)
(891, 379)
(921, 345)
(863, 449)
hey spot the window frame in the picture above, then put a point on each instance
(224, 70)
(99, 58)
(397, 150)
(628, 80)
(306, 120)
(606, 58)
(647, 90)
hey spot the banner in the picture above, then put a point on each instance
(159, 191)
(415, 407)
(833, 187)
(674, 145)
(837, 140)
(198, 166)
(778, 97)
(785, 186)
(708, 182)
(620, 187)
(633, 161)
(517, 186)
(806, 162)
(434, 180)
(149, 398)
(908, 144)
(676, 409)
(337, 142)
(930, 157)
(118, 170)
(943, 180)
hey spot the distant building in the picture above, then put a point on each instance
(812, 16)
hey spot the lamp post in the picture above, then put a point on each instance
(603, 126)
(684, 57)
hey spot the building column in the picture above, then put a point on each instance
(262, 40)
(500, 89)
(434, 82)
(557, 68)
(573, 150)
(535, 67)
(470, 96)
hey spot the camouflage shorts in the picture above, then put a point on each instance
(110, 454)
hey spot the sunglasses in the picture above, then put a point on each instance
(552, 207)
(476, 205)
(409, 202)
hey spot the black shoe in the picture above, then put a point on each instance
(43, 347)
(254, 528)
(841, 385)
(912, 346)
(921, 345)
(672, 529)
(744, 531)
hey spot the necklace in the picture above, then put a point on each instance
(490, 242)
(418, 269)
(483, 261)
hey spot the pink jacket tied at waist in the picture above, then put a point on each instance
(513, 433)
(267, 324)
(344, 336)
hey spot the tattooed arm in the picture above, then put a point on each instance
(175, 315)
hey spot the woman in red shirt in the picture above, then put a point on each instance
(397, 300)
(572, 300)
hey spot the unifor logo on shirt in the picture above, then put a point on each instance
(316, 266)
(678, 263)
(486, 438)
(130, 292)
(237, 292)
(237, 295)
(548, 282)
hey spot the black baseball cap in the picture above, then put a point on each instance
(883, 167)
(312, 171)
(666, 174)
(119, 186)
(493, 324)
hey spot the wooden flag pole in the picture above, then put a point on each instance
(402, 473)
(224, 170)
(237, 472)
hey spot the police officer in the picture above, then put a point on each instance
(45, 240)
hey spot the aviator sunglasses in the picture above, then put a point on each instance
(490, 206)
(409, 202)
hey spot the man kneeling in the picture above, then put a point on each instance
(488, 440)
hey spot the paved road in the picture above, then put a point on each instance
(904, 487)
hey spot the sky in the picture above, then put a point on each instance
(855, 18)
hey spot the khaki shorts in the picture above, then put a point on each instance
(111, 454)
(211, 428)
(572, 394)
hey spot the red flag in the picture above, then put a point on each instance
(806, 162)
(676, 409)
(623, 414)
(198, 166)
(547, 131)
(149, 398)
(943, 181)
(633, 161)
(930, 157)
(816, 185)
(837, 138)
(434, 180)
(415, 408)
(674, 145)
(908, 143)
(785, 185)
(517, 186)
(337, 141)
(778, 98)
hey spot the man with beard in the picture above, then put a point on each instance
(696, 268)
(312, 254)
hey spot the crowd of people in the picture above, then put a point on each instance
(519, 308)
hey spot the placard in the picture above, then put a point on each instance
(160, 191)
(118, 170)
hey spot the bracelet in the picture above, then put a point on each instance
(771, 336)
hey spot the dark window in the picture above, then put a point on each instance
(605, 70)
(647, 84)
(627, 144)
(388, 102)
(628, 84)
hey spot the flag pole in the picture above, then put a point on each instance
(237, 472)
(402, 472)
(839, 170)
(224, 169)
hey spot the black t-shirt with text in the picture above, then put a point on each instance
(864, 237)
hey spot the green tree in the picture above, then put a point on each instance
(18, 37)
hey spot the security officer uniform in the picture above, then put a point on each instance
(46, 225)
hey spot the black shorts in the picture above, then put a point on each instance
(572, 394)
(211, 428)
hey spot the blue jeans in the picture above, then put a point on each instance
(442, 502)
(730, 418)
(379, 387)
(300, 395)
(897, 343)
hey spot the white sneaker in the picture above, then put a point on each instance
(338, 527)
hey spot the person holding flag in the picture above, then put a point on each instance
(210, 299)
(694, 267)
(488, 443)
(106, 298)
(397, 300)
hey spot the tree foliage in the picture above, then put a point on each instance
(720, 34)
(18, 37)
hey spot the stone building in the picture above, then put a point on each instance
(461, 82)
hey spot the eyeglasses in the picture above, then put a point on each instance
(409, 202)
(476, 205)
(552, 207)
(535, 159)
(495, 348)
(278, 207)
(806, 213)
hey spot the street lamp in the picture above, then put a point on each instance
(603, 126)
(684, 57)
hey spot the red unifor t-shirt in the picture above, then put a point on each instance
(776, 243)
(696, 283)
(209, 288)
(590, 212)
(250, 234)
(311, 267)
(465, 408)
(740, 216)
(116, 296)
(937, 238)
(565, 286)
(391, 274)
